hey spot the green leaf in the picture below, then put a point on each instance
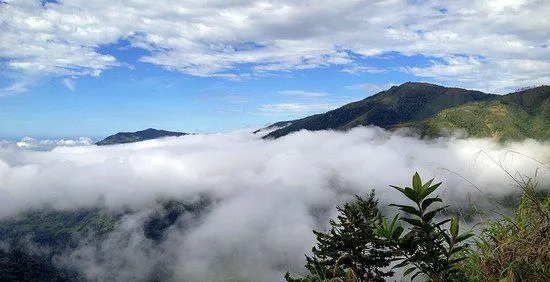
(417, 183)
(463, 237)
(408, 271)
(454, 227)
(394, 223)
(382, 232)
(407, 209)
(458, 249)
(402, 190)
(414, 275)
(401, 264)
(447, 238)
(411, 194)
(398, 231)
(427, 202)
(430, 215)
(412, 221)
(431, 189)
(427, 184)
(442, 222)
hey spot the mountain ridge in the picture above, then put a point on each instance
(407, 102)
(515, 116)
(141, 135)
(432, 110)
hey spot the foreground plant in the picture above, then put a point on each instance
(351, 250)
(515, 248)
(427, 248)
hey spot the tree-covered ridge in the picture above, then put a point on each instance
(515, 116)
(433, 110)
(129, 137)
(410, 101)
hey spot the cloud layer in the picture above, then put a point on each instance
(491, 45)
(268, 194)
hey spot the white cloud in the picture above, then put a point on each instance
(302, 102)
(298, 108)
(70, 82)
(480, 73)
(16, 87)
(215, 37)
(303, 94)
(268, 194)
(30, 143)
(356, 69)
(370, 87)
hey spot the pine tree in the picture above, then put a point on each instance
(350, 246)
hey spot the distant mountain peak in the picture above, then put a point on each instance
(410, 101)
(142, 135)
(433, 109)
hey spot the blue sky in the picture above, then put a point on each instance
(145, 95)
(91, 68)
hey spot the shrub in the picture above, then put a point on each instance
(514, 248)
(427, 248)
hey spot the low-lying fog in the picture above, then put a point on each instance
(268, 194)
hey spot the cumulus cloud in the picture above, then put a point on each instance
(466, 71)
(268, 194)
(215, 37)
(29, 143)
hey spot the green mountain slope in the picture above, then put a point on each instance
(129, 137)
(56, 233)
(408, 102)
(516, 116)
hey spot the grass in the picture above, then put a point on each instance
(516, 248)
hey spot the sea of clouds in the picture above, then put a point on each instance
(267, 194)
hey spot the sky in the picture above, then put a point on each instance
(77, 68)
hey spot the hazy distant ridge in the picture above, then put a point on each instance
(129, 137)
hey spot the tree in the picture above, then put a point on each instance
(351, 248)
(427, 248)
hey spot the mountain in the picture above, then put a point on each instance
(129, 137)
(33, 243)
(433, 110)
(516, 116)
(274, 126)
(411, 101)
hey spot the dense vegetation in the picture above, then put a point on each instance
(404, 103)
(428, 246)
(432, 110)
(511, 117)
(129, 137)
(31, 241)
